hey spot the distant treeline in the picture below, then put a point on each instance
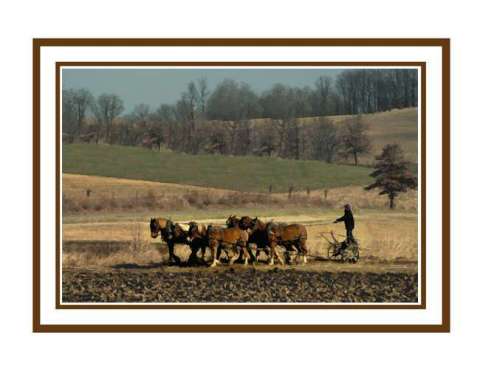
(234, 120)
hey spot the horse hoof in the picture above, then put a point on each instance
(213, 264)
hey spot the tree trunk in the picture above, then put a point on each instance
(107, 133)
(355, 157)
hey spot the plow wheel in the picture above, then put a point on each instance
(351, 254)
(333, 253)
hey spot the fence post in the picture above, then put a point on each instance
(290, 190)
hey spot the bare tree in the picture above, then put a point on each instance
(203, 94)
(75, 104)
(322, 96)
(264, 141)
(141, 113)
(278, 102)
(232, 101)
(354, 139)
(82, 100)
(293, 144)
(302, 102)
(325, 140)
(192, 98)
(190, 102)
(68, 114)
(107, 108)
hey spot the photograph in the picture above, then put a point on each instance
(241, 185)
(186, 179)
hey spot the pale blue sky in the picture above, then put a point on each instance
(164, 86)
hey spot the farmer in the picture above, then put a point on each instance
(349, 222)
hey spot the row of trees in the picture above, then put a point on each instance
(234, 120)
(320, 139)
(77, 104)
(352, 92)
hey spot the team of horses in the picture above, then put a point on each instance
(242, 239)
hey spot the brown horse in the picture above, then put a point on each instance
(292, 236)
(227, 239)
(245, 223)
(232, 221)
(197, 234)
(170, 233)
(259, 236)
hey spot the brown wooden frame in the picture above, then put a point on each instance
(443, 43)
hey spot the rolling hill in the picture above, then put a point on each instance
(249, 173)
(398, 126)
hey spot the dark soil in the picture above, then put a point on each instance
(234, 285)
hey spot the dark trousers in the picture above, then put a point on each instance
(350, 236)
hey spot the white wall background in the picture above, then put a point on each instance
(20, 21)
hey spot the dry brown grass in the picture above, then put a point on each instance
(92, 256)
(391, 239)
(359, 198)
(134, 248)
(115, 194)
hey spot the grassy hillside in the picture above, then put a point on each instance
(398, 126)
(235, 173)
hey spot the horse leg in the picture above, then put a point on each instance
(213, 250)
(266, 250)
(231, 259)
(303, 248)
(273, 252)
(247, 252)
(193, 255)
(278, 256)
(252, 256)
(294, 248)
(219, 252)
(233, 253)
(288, 257)
(241, 254)
(172, 258)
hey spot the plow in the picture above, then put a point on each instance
(342, 251)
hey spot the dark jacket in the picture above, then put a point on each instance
(347, 219)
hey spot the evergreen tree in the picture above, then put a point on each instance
(391, 174)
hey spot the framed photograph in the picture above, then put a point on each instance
(241, 185)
